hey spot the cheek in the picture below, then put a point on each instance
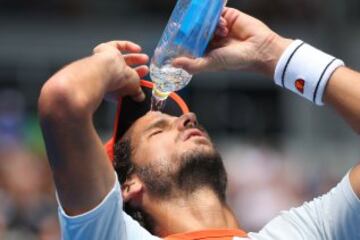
(159, 148)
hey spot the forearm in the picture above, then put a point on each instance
(343, 93)
(77, 90)
(77, 158)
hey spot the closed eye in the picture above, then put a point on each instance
(156, 132)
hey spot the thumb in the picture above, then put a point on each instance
(194, 65)
(131, 86)
(136, 92)
(139, 95)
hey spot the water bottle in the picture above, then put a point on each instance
(188, 32)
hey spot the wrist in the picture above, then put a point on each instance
(305, 70)
(272, 51)
(334, 85)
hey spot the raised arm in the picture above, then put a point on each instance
(343, 93)
(82, 172)
(245, 43)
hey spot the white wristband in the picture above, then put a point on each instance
(305, 70)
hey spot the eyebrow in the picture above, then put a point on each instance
(158, 124)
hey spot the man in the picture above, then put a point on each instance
(173, 176)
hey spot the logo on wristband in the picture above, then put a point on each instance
(300, 85)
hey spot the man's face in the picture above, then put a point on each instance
(169, 151)
(160, 139)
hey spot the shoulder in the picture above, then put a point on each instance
(324, 216)
(355, 180)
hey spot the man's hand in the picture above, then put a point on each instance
(124, 78)
(241, 42)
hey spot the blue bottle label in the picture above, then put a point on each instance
(197, 25)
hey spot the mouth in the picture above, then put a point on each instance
(191, 133)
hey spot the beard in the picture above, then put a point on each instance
(196, 170)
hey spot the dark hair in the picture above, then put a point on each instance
(122, 159)
(124, 168)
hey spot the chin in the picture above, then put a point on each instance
(200, 142)
(200, 167)
(200, 146)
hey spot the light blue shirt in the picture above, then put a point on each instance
(335, 215)
(105, 222)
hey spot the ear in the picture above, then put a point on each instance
(132, 188)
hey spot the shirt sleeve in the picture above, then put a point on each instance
(335, 215)
(106, 221)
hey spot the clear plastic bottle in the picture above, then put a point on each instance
(188, 32)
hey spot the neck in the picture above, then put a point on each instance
(200, 210)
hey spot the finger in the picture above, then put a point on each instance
(136, 59)
(194, 65)
(127, 46)
(123, 46)
(133, 88)
(222, 32)
(142, 71)
(139, 95)
(222, 22)
(227, 10)
(231, 15)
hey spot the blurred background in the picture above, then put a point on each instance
(279, 149)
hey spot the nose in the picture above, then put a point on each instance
(188, 120)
